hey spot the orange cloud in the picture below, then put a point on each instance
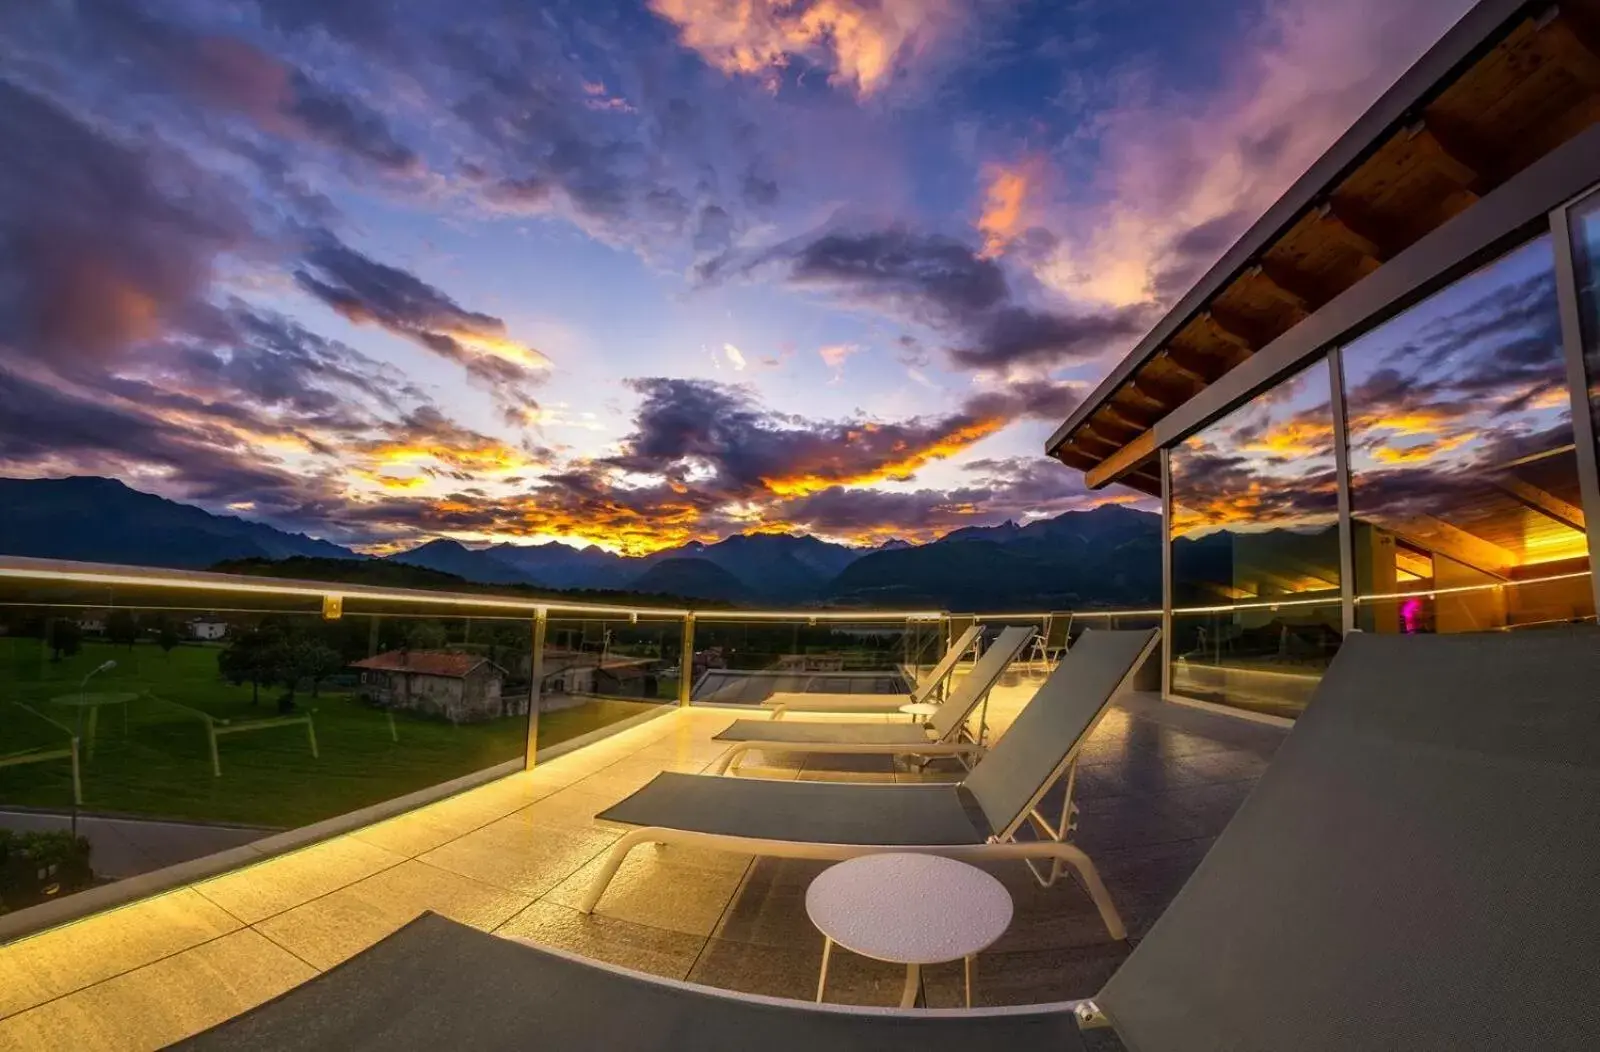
(864, 41)
(899, 462)
(1005, 202)
(1386, 454)
(1294, 438)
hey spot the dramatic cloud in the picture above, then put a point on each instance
(940, 282)
(719, 440)
(124, 240)
(864, 43)
(1179, 174)
(1007, 204)
(368, 292)
(1015, 488)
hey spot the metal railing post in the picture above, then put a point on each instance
(686, 661)
(541, 622)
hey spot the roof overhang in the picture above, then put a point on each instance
(1507, 85)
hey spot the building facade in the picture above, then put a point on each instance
(1378, 411)
(462, 688)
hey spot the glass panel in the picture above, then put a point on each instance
(1585, 220)
(1255, 519)
(601, 671)
(745, 662)
(1464, 480)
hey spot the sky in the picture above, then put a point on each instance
(627, 273)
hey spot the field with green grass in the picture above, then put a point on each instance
(156, 761)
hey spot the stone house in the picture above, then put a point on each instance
(462, 688)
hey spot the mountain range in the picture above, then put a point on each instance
(1107, 556)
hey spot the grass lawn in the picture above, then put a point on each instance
(160, 764)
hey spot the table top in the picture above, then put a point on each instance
(920, 708)
(909, 908)
(106, 698)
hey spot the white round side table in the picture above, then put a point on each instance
(909, 909)
(922, 710)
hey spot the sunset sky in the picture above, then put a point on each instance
(626, 273)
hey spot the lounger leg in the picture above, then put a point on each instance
(726, 759)
(613, 862)
(1080, 863)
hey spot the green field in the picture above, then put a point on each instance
(159, 763)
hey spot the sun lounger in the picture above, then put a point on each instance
(1417, 870)
(842, 820)
(926, 687)
(941, 736)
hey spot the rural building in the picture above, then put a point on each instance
(462, 688)
(207, 629)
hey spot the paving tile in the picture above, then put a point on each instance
(328, 930)
(163, 1002)
(1028, 978)
(521, 857)
(571, 808)
(604, 938)
(676, 888)
(792, 972)
(84, 952)
(257, 892)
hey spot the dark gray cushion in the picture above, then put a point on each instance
(436, 985)
(1054, 723)
(807, 812)
(1418, 869)
(801, 733)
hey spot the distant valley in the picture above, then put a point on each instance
(1110, 556)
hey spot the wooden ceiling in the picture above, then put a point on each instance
(1537, 88)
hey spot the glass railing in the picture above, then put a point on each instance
(150, 717)
(1264, 656)
(745, 657)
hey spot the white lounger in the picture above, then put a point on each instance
(943, 735)
(803, 702)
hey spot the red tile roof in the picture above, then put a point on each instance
(446, 663)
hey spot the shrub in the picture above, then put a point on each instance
(35, 867)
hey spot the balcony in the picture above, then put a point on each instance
(250, 863)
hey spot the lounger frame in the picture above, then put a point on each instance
(970, 640)
(963, 745)
(1051, 848)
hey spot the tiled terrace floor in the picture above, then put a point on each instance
(1156, 784)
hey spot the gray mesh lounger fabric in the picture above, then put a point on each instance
(1418, 869)
(436, 985)
(799, 733)
(1041, 739)
(879, 703)
(802, 812)
(952, 714)
(1052, 725)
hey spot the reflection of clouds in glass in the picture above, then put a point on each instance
(1460, 424)
(1462, 373)
(1268, 466)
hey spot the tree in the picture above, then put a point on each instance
(64, 638)
(166, 636)
(248, 658)
(321, 661)
(427, 635)
(122, 628)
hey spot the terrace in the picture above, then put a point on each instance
(256, 818)
(197, 943)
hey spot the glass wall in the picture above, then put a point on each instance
(1585, 226)
(1255, 550)
(1466, 507)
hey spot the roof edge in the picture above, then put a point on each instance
(1473, 34)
